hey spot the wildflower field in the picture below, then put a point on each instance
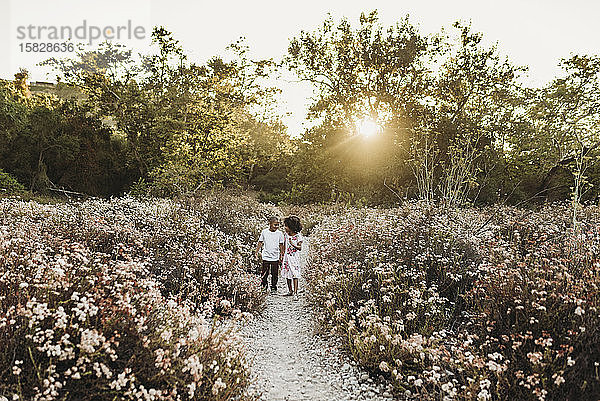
(138, 299)
(124, 299)
(493, 304)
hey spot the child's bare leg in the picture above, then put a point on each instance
(289, 283)
(295, 286)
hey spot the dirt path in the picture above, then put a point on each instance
(290, 362)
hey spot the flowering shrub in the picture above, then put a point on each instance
(312, 214)
(482, 305)
(116, 300)
(78, 325)
(538, 306)
(189, 257)
(240, 216)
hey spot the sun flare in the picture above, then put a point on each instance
(368, 128)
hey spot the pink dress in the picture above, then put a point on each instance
(291, 259)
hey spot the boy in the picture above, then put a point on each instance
(272, 252)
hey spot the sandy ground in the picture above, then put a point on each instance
(291, 362)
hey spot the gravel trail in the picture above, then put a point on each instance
(291, 362)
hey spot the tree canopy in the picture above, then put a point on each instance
(396, 113)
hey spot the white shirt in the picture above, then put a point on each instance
(271, 241)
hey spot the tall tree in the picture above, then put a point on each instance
(370, 73)
(444, 105)
(477, 94)
(187, 126)
(565, 121)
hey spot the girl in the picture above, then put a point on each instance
(290, 269)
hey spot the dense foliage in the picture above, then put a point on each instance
(46, 143)
(120, 299)
(478, 305)
(187, 127)
(8, 184)
(455, 122)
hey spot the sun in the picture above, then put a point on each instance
(367, 128)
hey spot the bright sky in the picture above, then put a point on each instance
(536, 33)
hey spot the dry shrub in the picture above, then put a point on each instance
(191, 258)
(473, 304)
(120, 299)
(77, 325)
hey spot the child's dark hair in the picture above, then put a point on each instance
(293, 223)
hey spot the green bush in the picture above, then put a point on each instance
(140, 188)
(8, 184)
